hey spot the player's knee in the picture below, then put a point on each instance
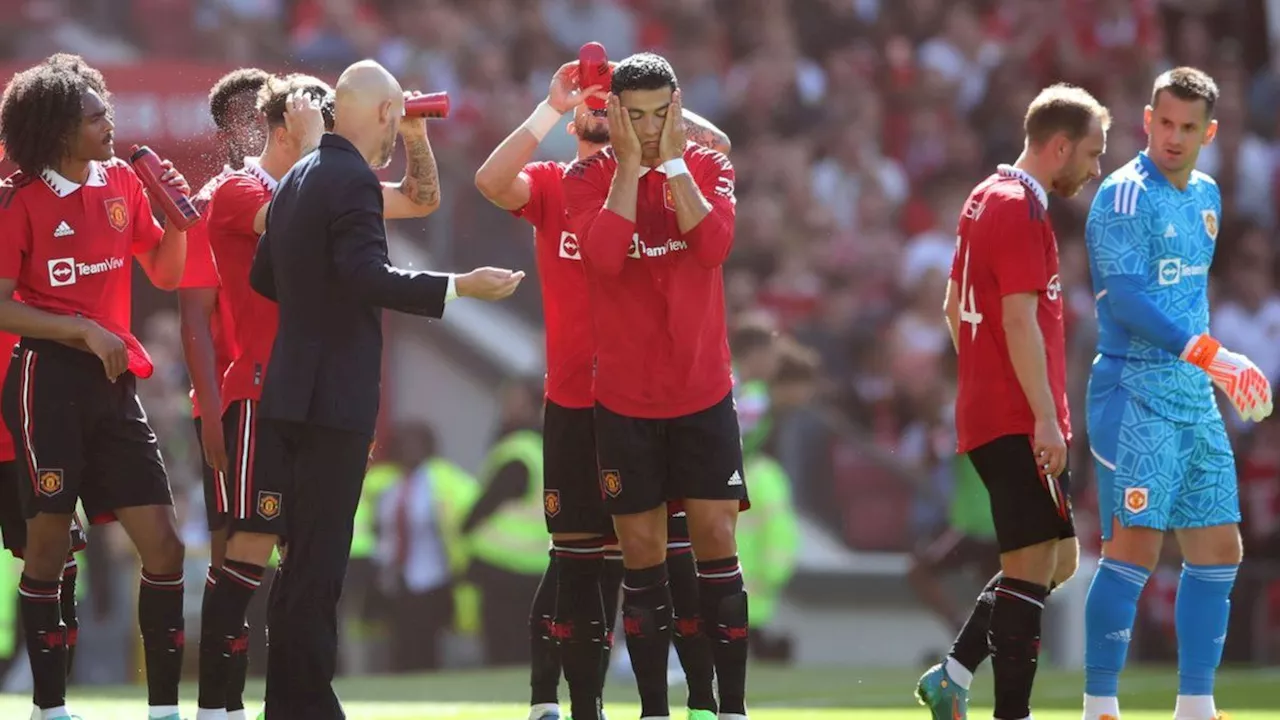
(48, 542)
(643, 543)
(248, 547)
(1068, 561)
(713, 533)
(165, 554)
(1219, 545)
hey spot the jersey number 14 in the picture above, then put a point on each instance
(968, 307)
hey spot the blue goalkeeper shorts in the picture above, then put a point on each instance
(1157, 473)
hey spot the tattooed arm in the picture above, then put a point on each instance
(418, 194)
(701, 131)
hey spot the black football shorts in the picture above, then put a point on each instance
(1027, 506)
(79, 436)
(571, 497)
(258, 477)
(645, 463)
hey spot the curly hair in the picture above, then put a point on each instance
(244, 80)
(91, 76)
(41, 112)
(275, 94)
(643, 71)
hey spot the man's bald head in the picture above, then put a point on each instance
(368, 106)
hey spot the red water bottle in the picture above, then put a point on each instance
(177, 206)
(431, 105)
(594, 69)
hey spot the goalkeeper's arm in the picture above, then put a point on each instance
(1134, 310)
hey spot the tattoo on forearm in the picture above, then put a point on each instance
(421, 182)
(702, 135)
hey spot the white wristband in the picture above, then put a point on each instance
(675, 167)
(451, 293)
(542, 120)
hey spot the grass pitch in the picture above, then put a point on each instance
(774, 694)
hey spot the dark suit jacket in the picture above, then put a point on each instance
(323, 260)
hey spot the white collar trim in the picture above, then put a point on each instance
(63, 187)
(253, 166)
(1025, 178)
(645, 170)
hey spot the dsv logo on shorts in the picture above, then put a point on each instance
(65, 271)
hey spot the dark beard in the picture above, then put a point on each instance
(595, 137)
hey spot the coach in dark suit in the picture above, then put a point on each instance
(323, 259)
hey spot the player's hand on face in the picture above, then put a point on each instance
(488, 283)
(215, 446)
(303, 119)
(109, 348)
(626, 143)
(565, 94)
(413, 126)
(173, 177)
(671, 143)
(1050, 447)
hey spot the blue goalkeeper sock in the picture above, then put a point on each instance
(1109, 612)
(1200, 613)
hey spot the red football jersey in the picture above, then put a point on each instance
(1005, 246)
(564, 288)
(68, 246)
(656, 294)
(255, 318)
(201, 271)
(7, 341)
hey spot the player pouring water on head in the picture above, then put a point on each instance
(1163, 458)
(578, 595)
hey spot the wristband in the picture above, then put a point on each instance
(451, 293)
(675, 167)
(542, 120)
(1201, 350)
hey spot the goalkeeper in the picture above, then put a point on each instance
(1157, 437)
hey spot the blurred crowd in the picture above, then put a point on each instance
(858, 128)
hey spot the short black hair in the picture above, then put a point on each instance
(1187, 84)
(643, 71)
(244, 80)
(40, 113)
(797, 363)
(275, 93)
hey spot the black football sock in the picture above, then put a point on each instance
(46, 640)
(161, 621)
(693, 646)
(68, 606)
(724, 616)
(1015, 644)
(544, 670)
(227, 603)
(212, 649)
(610, 593)
(971, 647)
(580, 622)
(647, 618)
(238, 670)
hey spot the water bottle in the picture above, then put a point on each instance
(177, 207)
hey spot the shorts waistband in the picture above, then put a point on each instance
(63, 353)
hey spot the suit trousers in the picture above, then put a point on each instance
(328, 467)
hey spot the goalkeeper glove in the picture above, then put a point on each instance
(1234, 374)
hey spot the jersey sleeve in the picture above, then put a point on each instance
(1014, 238)
(1118, 237)
(201, 271)
(604, 236)
(235, 204)
(712, 238)
(147, 231)
(15, 232)
(539, 175)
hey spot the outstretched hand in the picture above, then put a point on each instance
(488, 283)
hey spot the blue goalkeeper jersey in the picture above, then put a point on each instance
(1150, 248)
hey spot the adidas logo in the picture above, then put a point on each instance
(735, 478)
(1123, 636)
(1169, 232)
(63, 230)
